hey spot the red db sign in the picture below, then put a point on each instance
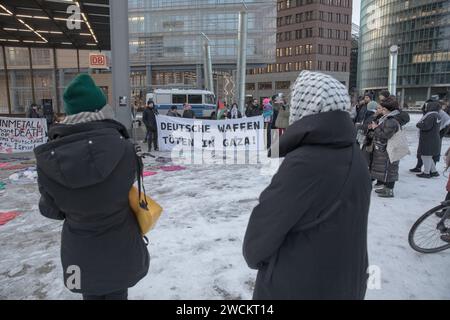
(98, 61)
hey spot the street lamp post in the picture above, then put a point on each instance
(242, 56)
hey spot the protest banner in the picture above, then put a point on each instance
(19, 135)
(235, 134)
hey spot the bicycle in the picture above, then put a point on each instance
(426, 233)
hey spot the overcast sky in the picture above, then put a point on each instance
(356, 11)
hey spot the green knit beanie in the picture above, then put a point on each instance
(83, 95)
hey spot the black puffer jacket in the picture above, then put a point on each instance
(430, 139)
(382, 169)
(85, 174)
(308, 235)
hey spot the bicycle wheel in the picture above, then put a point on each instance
(425, 234)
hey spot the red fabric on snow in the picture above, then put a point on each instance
(6, 217)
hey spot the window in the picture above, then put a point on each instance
(337, 50)
(328, 66)
(287, 36)
(308, 33)
(319, 65)
(321, 32)
(330, 34)
(328, 49)
(265, 86)
(298, 17)
(298, 34)
(288, 20)
(209, 98)
(344, 67)
(250, 86)
(345, 51)
(179, 98)
(195, 99)
(336, 66)
(279, 22)
(282, 85)
(345, 35)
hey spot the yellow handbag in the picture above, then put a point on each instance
(146, 210)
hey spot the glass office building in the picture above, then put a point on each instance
(166, 45)
(421, 28)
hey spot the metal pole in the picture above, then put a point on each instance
(8, 93)
(78, 60)
(393, 63)
(33, 92)
(242, 58)
(120, 62)
(55, 80)
(209, 79)
(205, 70)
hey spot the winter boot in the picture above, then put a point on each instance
(387, 193)
(380, 190)
(416, 170)
(434, 174)
(424, 175)
(446, 237)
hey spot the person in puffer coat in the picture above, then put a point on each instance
(85, 173)
(382, 169)
(308, 235)
(429, 140)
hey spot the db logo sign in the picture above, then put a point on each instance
(98, 61)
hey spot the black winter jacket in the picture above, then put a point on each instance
(149, 119)
(308, 235)
(430, 139)
(85, 174)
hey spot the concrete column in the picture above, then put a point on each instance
(429, 93)
(120, 61)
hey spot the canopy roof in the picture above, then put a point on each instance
(54, 24)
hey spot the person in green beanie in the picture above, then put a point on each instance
(85, 173)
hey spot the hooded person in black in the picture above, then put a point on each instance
(308, 236)
(85, 173)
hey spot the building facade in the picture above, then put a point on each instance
(354, 60)
(311, 35)
(421, 29)
(30, 75)
(166, 42)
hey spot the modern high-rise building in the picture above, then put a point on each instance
(311, 35)
(166, 41)
(421, 30)
(354, 60)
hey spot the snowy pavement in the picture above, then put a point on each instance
(196, 246)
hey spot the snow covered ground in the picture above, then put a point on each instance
(196, 247)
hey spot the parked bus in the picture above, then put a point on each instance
(203, 102)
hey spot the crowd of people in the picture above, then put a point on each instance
(378, 123)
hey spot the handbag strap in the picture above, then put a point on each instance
(140, 179)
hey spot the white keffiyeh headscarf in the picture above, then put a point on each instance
(314, 93)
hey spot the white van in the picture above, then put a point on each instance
(203, 102)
